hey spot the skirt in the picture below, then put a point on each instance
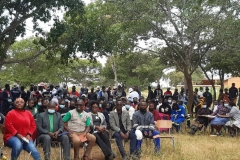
(219, 121)
(233, 122)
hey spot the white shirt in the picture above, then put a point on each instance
(200, 94)
(134, 94)
(131, 111)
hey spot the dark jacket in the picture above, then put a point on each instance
(43, 124)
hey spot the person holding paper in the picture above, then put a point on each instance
(77, 122)
(19, 126)
(50, 126)
(98, 129)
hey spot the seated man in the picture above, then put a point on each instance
(144, 125)
(201, 119)
(77, 122)
(49, 126)
(178, 115)
(121, 126)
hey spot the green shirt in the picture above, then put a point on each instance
(51, 122)
(67, 117)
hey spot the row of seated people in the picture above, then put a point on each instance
(78, 127)
(224, 114)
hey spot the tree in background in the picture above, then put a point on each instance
(136, 68)
(13, 16)
(45, 69)
(177, 77)
(184, 29)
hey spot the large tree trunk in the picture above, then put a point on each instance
(114, 68)
(188, 78)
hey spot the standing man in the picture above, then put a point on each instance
(77, 122)
(150, 94)
(74, 93)
(50, 126)
(15, 93)
(233, 93)
(158, 92)
(92, 95)
(175, 95)
(208, 97)
(168, 93)
(24, 94)
(103, 94)
(121, 129)
(144, 126)
(6, 99)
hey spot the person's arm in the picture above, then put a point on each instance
(152, 123)
(112, 123)
(88, 123)
(60, 124)
(65, 119)
(129, 124)
(32, 128)
(8, 123)
(40, 128)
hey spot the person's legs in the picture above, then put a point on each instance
(66, 146)
(118, 139)
(133, 142)
(76, 144)
(156, 140)
(46, 140)
(104, 136)
(31, 149)
(91, 139)
(102, 144)
(16, 146)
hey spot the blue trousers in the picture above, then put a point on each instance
(17, 146)
(132, 138)
(155, 140)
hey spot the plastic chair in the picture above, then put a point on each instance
(166, 124)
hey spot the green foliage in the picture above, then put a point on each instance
(135, 69)
(13, 16)
(43, 69)
(177, 77)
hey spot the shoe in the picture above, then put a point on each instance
(134, 157)
(125, 158)
(111, 157)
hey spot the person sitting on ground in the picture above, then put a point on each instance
(77, 122)
(218, 122)
(50, 126)
(144, 126)
(19, 127)
(234, 123)
(201, 119)
(152, 109)
(177, 116)
(98, 129)
(30, 107)
(62, 108)
(121, 129)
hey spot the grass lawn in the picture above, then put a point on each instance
(198, 147)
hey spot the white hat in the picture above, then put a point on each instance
(130, 90)
(98, 87)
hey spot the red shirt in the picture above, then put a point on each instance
(74, 94)
(18, 121)
(155, 115)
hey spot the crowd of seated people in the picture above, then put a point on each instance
(93, 118)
